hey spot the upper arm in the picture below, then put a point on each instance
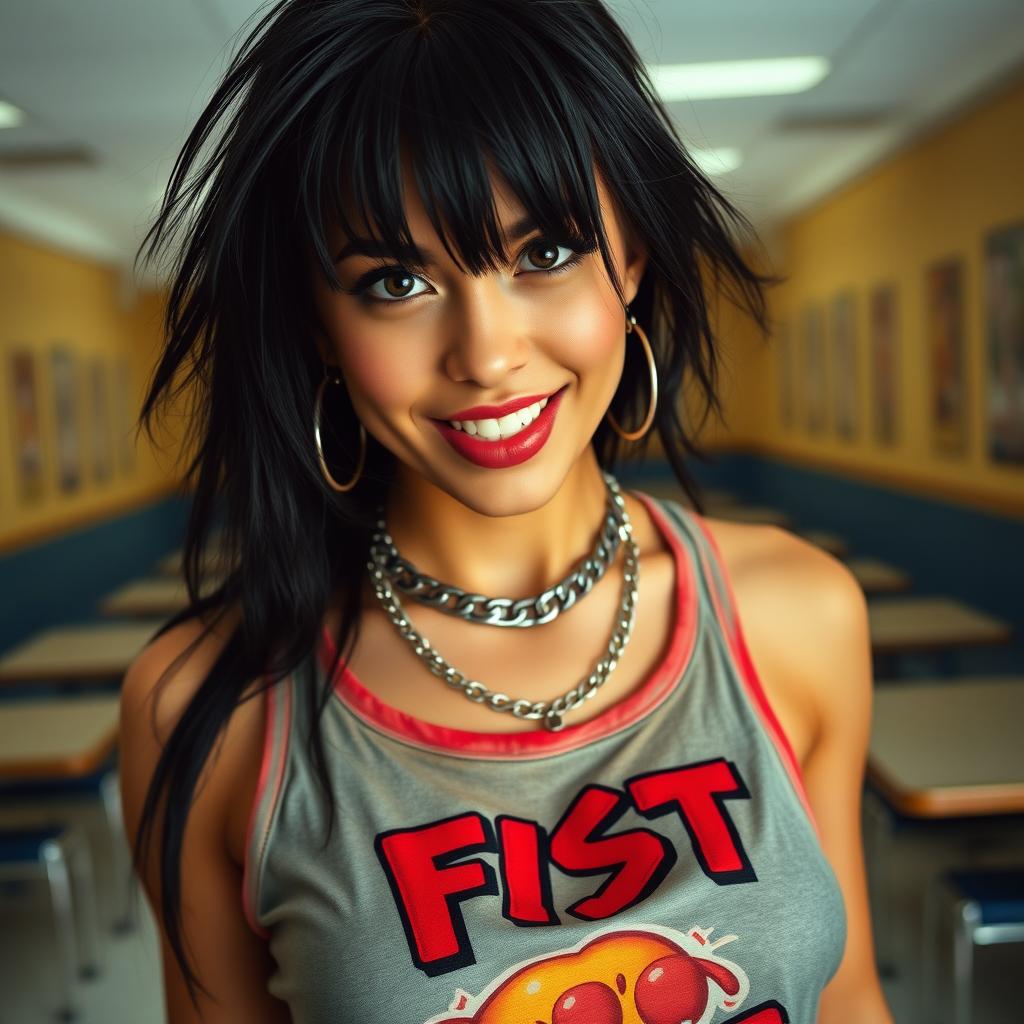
(230, 960)
(833, 675)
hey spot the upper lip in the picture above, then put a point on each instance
(495, 412)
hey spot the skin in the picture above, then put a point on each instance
(464, 341)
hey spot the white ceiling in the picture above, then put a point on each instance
(126, 78)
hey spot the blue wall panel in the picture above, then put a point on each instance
(948, 549)
(61, 581)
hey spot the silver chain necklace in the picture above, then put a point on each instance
(552, 713)
(501, 611)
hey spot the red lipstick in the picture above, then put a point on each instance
(495, 412)
(508, 451)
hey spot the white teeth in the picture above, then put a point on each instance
(504, 427)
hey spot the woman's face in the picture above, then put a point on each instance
(417, 348)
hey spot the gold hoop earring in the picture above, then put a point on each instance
(336, 379)
(635, 435)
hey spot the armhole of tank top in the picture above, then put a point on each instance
(727, 612)
(277, 704)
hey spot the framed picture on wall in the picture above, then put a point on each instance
(785, 367)
(66, 414)
(26, 426)
(1004, 343)
(844, 362)
(944, 337)
(99, 402)
(815, 395)
(885, 364)
(123, 410)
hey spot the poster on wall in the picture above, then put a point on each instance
(1004, 338)
(844, 359)
(815, 397)
(786, 370)
(65, 384)
(123, 408)
(945, 348)
(99, 401)
(26, 426)
(885, 365)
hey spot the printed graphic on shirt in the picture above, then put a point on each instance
(645, 975)
(432, 868)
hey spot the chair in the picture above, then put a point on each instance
(987, 908)
(60, 854)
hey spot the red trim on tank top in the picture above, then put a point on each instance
(749, 676)
(539, 742)
(261, 786)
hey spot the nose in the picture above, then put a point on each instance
(488, 337)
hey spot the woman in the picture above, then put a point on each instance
(425, 216)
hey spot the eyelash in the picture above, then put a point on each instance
(369, 279)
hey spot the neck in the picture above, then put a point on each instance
(501, 554)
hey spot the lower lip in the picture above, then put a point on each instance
(509, 451)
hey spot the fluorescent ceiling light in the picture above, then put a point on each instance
(721, 79)
(10, 115)
(716, 161)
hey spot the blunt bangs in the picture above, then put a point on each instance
(520, 121)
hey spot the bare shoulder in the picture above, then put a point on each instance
(802, 612)
(223, 950)
(159, 685)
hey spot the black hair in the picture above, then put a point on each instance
(319, 100)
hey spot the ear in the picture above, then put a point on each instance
(636, 264)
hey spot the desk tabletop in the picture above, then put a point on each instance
(66, 737)
(153, 597)
(949, 747)
(79, 653)
(752, 514)
(171, 565)
(828, 541)
(878, 577)
(906, 624)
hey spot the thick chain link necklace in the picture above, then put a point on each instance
(552, 713)
(501, 611)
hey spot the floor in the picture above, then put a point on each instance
(128, 989)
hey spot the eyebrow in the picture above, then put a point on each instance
(376, 247)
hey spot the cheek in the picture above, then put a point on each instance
(590, 337)
(382, 377)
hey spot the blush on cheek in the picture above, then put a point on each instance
(589, 337)
(383, 383)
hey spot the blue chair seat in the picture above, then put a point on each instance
(999, 893)
(23, 844)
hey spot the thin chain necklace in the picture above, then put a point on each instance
(501, 611)
(551, 713)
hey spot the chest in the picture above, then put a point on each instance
(535, 663)
(493, 898)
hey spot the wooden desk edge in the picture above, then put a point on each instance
(1002, 636)
(95, 678)
(76, 766)
(950, 802)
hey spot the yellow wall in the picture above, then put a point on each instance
(939, 198)
(47, 296)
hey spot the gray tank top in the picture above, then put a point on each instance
(657, 864)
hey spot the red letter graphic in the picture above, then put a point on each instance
(637, 859)
(428, 888)
(698, 792)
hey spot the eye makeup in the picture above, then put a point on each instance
(360, 289)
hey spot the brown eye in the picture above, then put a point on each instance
(547, 253)
(405, 280)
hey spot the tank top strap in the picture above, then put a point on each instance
(279, 727)
(723, 619)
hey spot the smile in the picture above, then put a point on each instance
(504, 427)
(506, 441)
